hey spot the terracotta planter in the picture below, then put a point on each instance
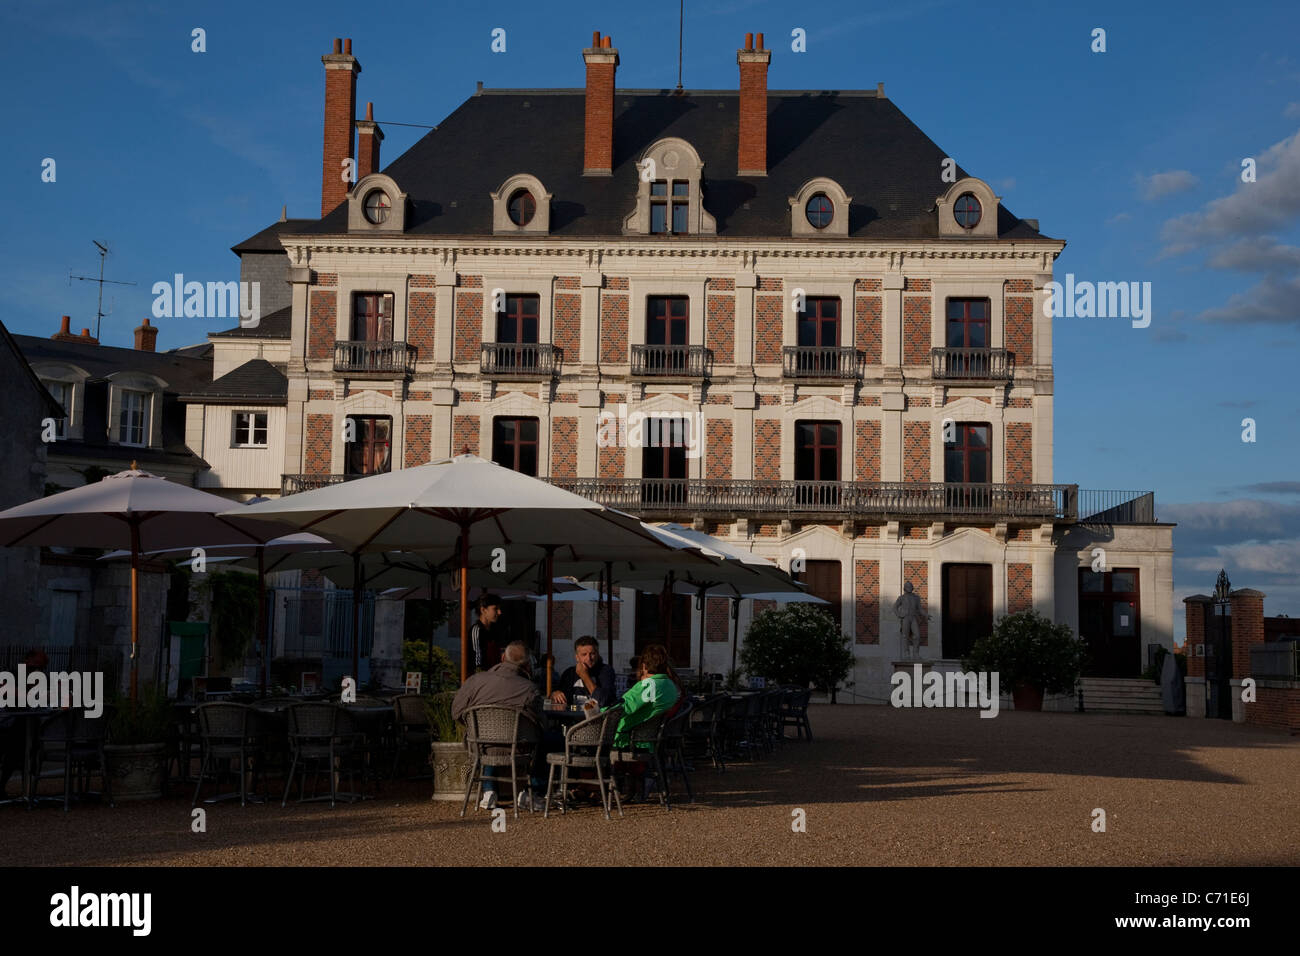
(137, 770)
(451, 764)
(1027, 697)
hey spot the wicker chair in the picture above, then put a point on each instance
(794, 713)
(674, 750)
(498, 736)
(587, 746)
(412, 730)
(650, 732)
(703, 737)
(76, 742)
(226, 733)
(320, 732)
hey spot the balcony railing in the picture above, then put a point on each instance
(383, 358)
(744, 497)
(671, 361)
(997, 365)
(817, 361)
(520, 359)
(1117, 507)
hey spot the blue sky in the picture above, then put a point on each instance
(1132, 155)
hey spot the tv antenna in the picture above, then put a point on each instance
(99, 310)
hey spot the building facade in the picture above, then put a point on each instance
(785, 317)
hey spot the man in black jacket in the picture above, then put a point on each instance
(489, 611)
(589, 678)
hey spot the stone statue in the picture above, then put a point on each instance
(908, 611)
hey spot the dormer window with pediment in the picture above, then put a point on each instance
(669, 200)
(521, 205)
(969, 208)
(820, 208)
(375, 204)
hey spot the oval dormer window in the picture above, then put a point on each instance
(820, 211)
(521, 207)
(377, 207)
(966, 210)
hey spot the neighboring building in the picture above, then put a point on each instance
(23, 413)
(856, 342)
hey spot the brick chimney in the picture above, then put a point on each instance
(146, 336)
(751, 159)
(65, 331)
(369, 136)
(598, 140)
(341, 69)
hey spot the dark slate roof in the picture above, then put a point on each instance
(268, 240)
(10, 344)
(256, 379)
(182, 372)
(276, 325)
(861, 140)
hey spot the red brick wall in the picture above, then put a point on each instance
(1020, 453)
(767, 449)
(602, 632)
(1018, 315)
(340, 120)
(1247, 628)
(866, 452)
(916, 328)
(469, 322)
(420, 307)
(564, 448)
(866, 285)
(464, 432)
(568, 320)
(1277, 707)
(916, 451)
(418, 429)
(767, 329)
(612, 461)
(613, 328)
(1019, 403)
(1195, 617)
(868, 331)
(318, 453)
(561, 622)
(1020, 587)
(717, 450)
(918, 572)
(867, 592)
(322, 320)
(721, 327)
(1020, 285)
(717, 618)
(598, 124)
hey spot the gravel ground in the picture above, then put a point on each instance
(879, 787)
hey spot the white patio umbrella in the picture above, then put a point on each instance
(426, 507)
(135, 510)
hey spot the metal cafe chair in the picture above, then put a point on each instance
(320, 733)
(794, 713)
(497, 737)
(75, 742)
(651, 732)
(412, 730)
(225, 734)
(587, 746)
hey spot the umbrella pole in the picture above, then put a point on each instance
(667, 601)
(356, 616)
(433, 581)
(261, 615)
(703, 604)
(464, 603)
(609, 609)
(735, 630)
(550, 612)
(135, 608)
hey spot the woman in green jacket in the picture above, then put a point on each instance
(653, 694)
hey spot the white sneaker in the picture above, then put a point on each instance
(525, 800)
(489, 800)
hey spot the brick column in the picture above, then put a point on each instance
(1247, 627)
(1195, 608)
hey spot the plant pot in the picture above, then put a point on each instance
(1027, 697)
(136, 770)
(451, 764)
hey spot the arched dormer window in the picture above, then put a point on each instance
(668, 195)
(968, 208)
(135, 409)
(820, 208)
(522, 204)
(376, 205)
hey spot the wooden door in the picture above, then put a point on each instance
(967, 607)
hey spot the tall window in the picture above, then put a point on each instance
(62, 393)
(968, 323)
(372, 317)
(370, 451)
(817, 459)
(514, 444)
(819, 323)
(968, 457)
(664, 441)
(134, 420)
(667, 331)
(518, 323)
(249, 430)
(669, 205)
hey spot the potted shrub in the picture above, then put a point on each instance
(799, 645)
(136, 751)
(1032, 657)
(448, 754)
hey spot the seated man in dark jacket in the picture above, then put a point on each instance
(589, 678)
(508, 684)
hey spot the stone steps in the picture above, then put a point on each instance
(1121, 696)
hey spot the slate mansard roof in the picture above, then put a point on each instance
(860, 139)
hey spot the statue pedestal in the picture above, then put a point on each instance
(907, 664)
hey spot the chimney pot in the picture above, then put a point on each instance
(338, 45)
(146, 337)
(607, 42)
(595, 39)
(347, 46)
(760, 41)
(749, 41)
(65, 327)
(370, 112)
(85, 333)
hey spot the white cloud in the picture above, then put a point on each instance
(1272, 300)
(1159, 185)
(1118, 217)
(1292, 111)
(1258, 254)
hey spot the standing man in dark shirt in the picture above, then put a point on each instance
(589, 678)
(489, 611)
